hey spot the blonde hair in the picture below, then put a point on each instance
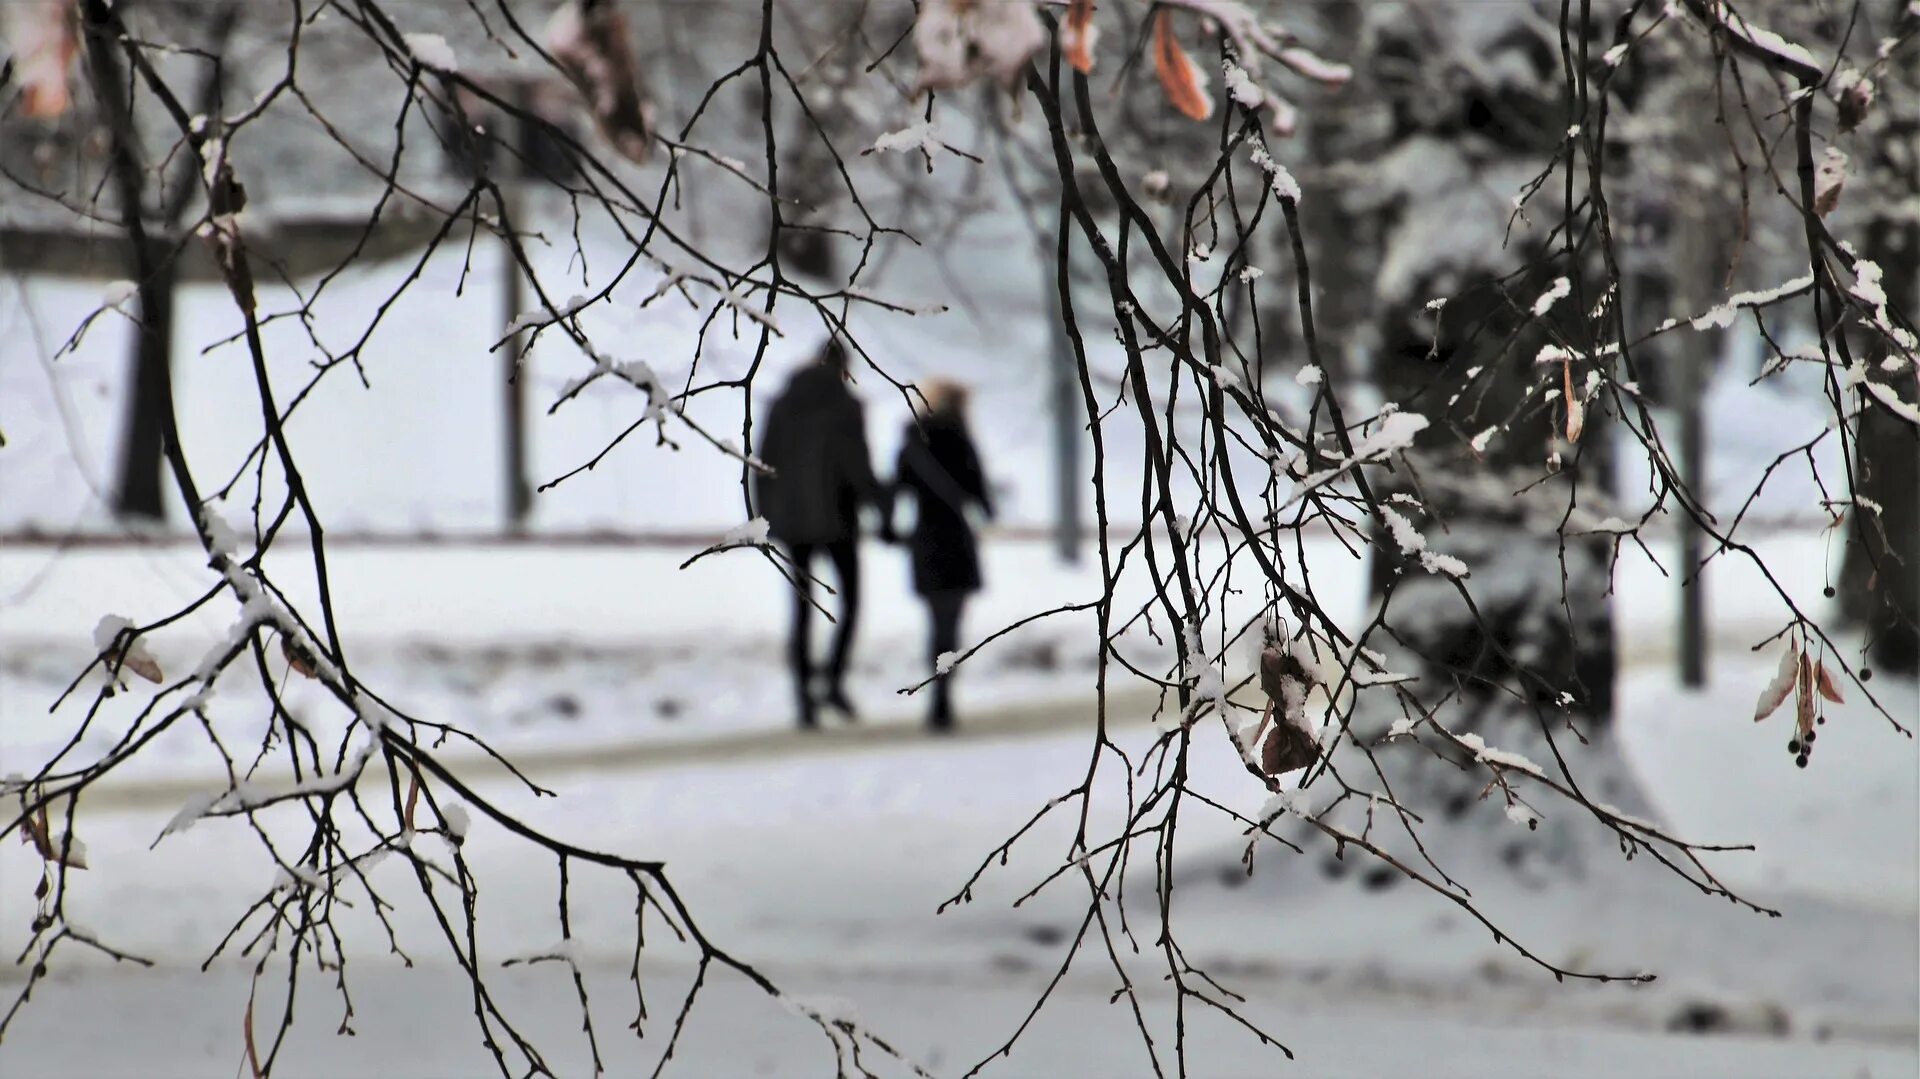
(944, 397)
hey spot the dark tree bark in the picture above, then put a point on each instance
(1541, 599)
(1344, 242)
(1880, 578)
(138, 493)
(1544, 625)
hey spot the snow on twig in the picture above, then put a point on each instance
(1487, 754)
(1885, 394)
(432, 51)
(1759, 42)
(1413, 543)
(741, 304)
(1720, 316)
(923, 136)
(1394, 433)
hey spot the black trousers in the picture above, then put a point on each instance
(943, 611)
(845, 556)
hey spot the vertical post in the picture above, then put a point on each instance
(1699, 263)
(513, 401)
(1693, 592)
(1066, 432)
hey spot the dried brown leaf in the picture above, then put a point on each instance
(34, 830)
(1576, 412)
(145, 667)
(67, 850)
(122, 649)
(591, 44)
(1079, 35)
(297, 656)
(1782, 684)
(1184, 85)
(1825, 683)
(1829, 180)
(1804, 696)
(46, 43)
(1287, 748)
(1855, 102)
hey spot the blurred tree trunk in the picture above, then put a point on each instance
(1539, 630)
(138, 494)
(1542, 599)
(1880, 577)
(1343, 251)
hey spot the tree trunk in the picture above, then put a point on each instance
(1880, 577)
(138, 495)
(1343, 243)
(1882, 569)
(1542, 600)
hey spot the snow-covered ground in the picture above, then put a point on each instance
(826, 870)
(824, 859)
(946, 1024)
(536, 646)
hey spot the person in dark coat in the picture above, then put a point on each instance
(815, 441)
(939, 468)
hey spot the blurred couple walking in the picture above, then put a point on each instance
(815, 441)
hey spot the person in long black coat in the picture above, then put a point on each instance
(940, 470)
(815, 440)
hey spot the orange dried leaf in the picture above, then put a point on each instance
(45, 43)
(1185, 86)
(1782, 684)
(1825, 683)
(1079, 36)
(297, 657)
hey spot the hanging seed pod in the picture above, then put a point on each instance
(1290, 744)
(1804, 698)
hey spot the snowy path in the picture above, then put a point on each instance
(601, 649)
(827, 867)
(179, 1025)
(824, 858)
